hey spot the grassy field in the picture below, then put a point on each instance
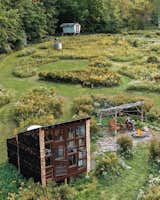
(119, 50)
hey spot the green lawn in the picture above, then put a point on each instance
(77, 55)
(125, 187)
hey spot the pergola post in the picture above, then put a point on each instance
(115, 122)
(142, 113)
(100, 118)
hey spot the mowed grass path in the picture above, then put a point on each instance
(126, 186)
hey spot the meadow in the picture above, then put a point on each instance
(134, 56)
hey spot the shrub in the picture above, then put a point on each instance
(5, 96)
(26, 52)
(90, 77)
(38, 103)
(94, 127)
(108, 166)
(152, 59)
(83, 104)
(154, 152)
(144, 86)
(125, 144)
(152, 193)
(100, 62)
(24, 72)
(147, 72)
(33, 190)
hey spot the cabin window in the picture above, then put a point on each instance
(72, 147)
(82, 153)
(58, 135)
(48, 149)
(82, 163)
(48, 135)
(59, 152)
(80, 131)
(72, 160)
(81, 142)
(48, 161)
(71, 133)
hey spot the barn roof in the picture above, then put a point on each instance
(121, 107)
(68, 24)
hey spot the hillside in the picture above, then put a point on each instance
(132, 56)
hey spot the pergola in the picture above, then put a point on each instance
(113, 111)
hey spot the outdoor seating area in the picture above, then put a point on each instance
(127, 119)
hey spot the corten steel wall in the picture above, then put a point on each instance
(12, 151)
(29, 154)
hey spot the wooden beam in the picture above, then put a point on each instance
(18, 159)
(88, 145)
(42, 157)
(115, 123)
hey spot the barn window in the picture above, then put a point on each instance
(48, 149)
(82, 153)
(72, 160)
(59, 152)
(58, 135)
(80, 131)
(48, 135)
(82, 163)
(72, 147)
(71, 133)
(48, 161)
(81, 142)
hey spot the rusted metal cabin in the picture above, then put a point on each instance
(56, 152)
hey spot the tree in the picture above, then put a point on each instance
(51, 15)
(34, 19)
(156, 4)
(11, 32)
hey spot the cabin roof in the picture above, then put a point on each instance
(68, 24)
(57, 124)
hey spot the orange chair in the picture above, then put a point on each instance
(112, 125)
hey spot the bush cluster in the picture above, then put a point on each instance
(152, 59)
(108, 166)
(90, 77)
(24, 72)
(5, 96)
(26, 52)
(154, 152)
(38, 103)
(33, 190)
(125, 148)
(99, 62)
(147, 72)
(144, 86)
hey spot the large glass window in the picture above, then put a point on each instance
(72, 160)
(81, 142)
(58, 135)
(72, 147)
(82, 153)
(48, 135)
(48, 161)
(71, 133)
(59, 152)
(80, 131)
(48, 149)
(82, 163)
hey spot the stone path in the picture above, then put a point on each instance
(108, 143)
